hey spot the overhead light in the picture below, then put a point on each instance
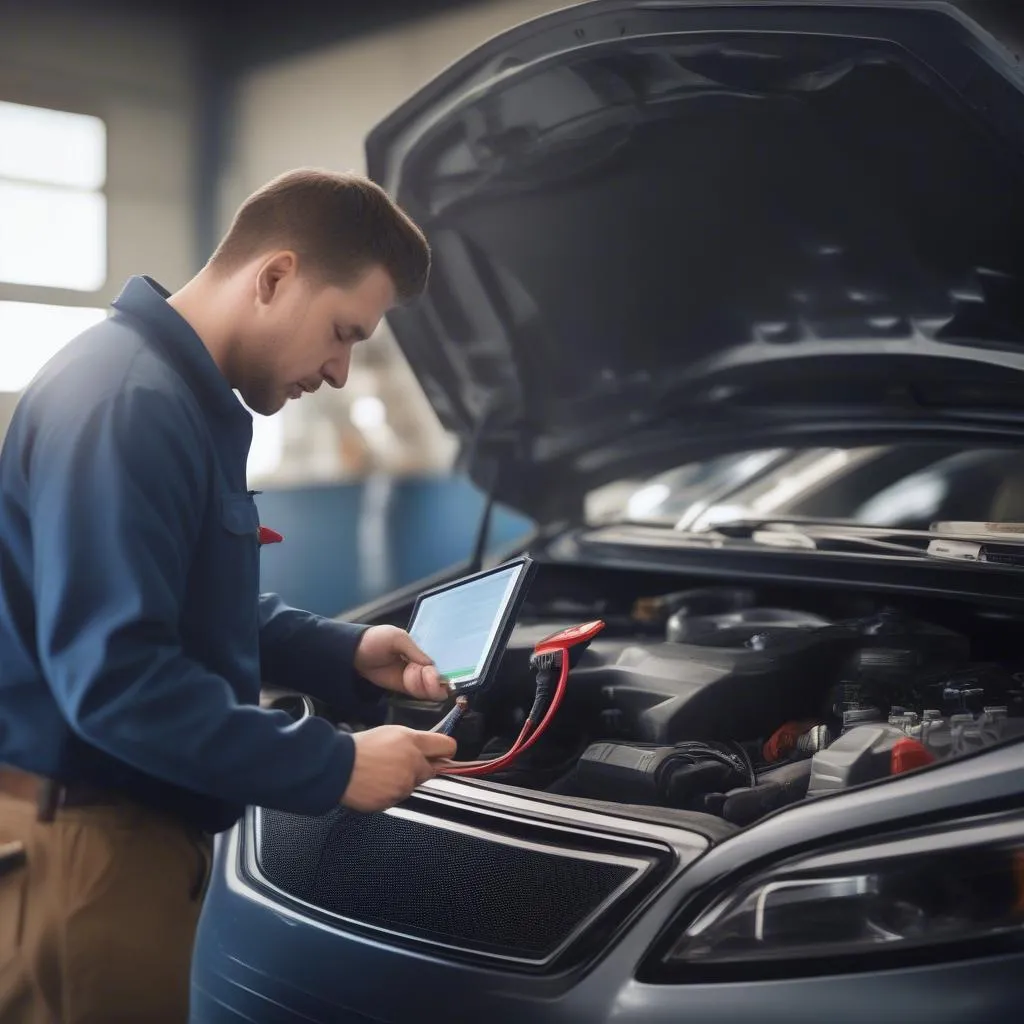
(368, 413)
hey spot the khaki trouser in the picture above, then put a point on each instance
(97, 924)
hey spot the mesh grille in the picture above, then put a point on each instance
(290, 850)
(438, 885)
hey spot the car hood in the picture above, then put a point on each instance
(662, 228)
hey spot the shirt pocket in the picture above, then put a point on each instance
(239, 516)
(239, 543)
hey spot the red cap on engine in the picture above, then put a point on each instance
(782, 742)
(907, 755)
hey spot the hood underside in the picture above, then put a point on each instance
(668, 225)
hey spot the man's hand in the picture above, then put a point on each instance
(391, 761)
(387, 656)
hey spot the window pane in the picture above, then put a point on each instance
(52, 146)
(31, 333)
(52, 237)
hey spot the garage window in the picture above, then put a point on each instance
(53, 232)
(53, 211)
(32, 332)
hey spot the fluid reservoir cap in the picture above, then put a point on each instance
(907, 755)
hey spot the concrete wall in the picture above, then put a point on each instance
(135, 72)
(315, 110)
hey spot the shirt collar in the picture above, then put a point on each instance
(145, 299)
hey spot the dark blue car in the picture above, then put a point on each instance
(729, 299)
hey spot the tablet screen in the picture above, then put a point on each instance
(461, 625)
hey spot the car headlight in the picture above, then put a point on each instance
(916, 893)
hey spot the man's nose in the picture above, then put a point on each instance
(336, 371)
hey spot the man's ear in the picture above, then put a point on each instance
(273, 271)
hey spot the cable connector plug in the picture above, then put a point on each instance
(545, 665)
(448, 724)
(545, 660)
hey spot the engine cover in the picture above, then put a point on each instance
(736, 675)
(650, 691)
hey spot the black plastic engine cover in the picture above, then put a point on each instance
(658, 692)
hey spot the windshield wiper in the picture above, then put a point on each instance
(839, 535)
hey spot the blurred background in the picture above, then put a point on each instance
(130, 132)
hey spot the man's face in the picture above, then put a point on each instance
(301, 333)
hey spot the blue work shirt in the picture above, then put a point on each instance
(133, 637)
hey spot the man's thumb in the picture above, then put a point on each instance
(435, 744)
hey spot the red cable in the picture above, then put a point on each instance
(526, 738)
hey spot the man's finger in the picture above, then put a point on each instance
(407, 648)
(415, 682)
(425, 770)
(412, 680)
(434, 685)
(436, 745)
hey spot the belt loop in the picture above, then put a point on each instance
(50, 793)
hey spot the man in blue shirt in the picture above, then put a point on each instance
(133, 638)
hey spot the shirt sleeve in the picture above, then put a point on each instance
(115, 498)
(314, 655)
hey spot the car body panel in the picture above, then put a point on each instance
(258, 960)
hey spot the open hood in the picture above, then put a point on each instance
(664, 227)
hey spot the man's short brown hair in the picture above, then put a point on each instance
(340, 225)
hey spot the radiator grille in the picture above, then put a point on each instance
(465, 888)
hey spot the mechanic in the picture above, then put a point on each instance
(133, 638)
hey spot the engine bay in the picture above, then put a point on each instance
(737, 701)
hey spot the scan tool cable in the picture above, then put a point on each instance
(554, 652)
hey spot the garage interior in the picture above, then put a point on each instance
(130, 132)
(173, 112)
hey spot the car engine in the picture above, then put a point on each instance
(715, 700)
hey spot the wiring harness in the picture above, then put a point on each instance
(552, 659)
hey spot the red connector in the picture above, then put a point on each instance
(558, 645)
(567, 638)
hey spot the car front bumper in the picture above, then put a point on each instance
(261, 956)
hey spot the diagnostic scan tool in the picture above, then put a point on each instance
(464, 626)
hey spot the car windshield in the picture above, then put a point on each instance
(908, 486)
